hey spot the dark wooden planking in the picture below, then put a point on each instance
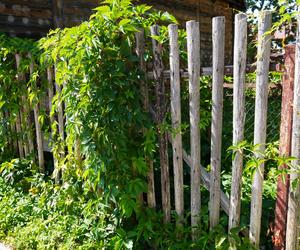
(26, 12)
(29, 3)
(28, 23)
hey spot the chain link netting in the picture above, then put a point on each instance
(273, 115)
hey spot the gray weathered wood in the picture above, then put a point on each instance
(14, 136)
(61, 131)
(193, 48)
(218, 39)
(292, 232)
(205, 176)
(176, 121)
(240, 49)
(162, 135)
(30, 132)
(23, 109)
(140, 50)
(19, 138)
(38, 129)
(260, 121)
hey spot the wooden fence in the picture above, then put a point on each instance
(198, 175)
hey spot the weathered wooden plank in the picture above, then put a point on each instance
(25, 21)
(176, 122)
(24, 113)
(26, 4)
(217, 117)
(24, 31)
(61, 131)
(140, 51)
(292, 232)
(162, 135)
(193, 48)
(284, 147)
(38, 129)
(19, 137)
(26, 12)
(260, 121)
(240, 49)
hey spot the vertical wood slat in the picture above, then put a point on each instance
(50, 79)
(38, 129)
(160, 113)
(14, 136)
(30, 132)
(140, 50)
(260, 121)
(8, 129)
(292, 232)
(23, 113)
(193, 48)
(19, 139)
(60, 119)
(218, 39)
(176, 122)
(239, 73)
(284, 147)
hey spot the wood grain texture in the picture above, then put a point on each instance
(260, 121)
(218, 35)
(176, 122)
(239, 71)
(24, 112)
(284, 147)
(160, 114)
(38, 129)
(140, 51)
(61, 130)
(292, 232)
(193, 49)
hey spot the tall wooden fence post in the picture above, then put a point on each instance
(260, 121)
(292, 231)
(218, 39)
(239, 73)
(176, 122)
(160, 115)
(284, 147)
(38, 129)
(140, 50)
(61, 129)
(19, 122)
(193, 48)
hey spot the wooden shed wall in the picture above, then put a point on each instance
(34, 18)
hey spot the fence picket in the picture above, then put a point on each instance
(193, 48)
(218, 35)
(24, 113)
(292, 232)
(140, 50)
(19, 138)
(60, 119)
(38, 129)
(260, 122)
(162, 135)
(240, 54)
(176, 122)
